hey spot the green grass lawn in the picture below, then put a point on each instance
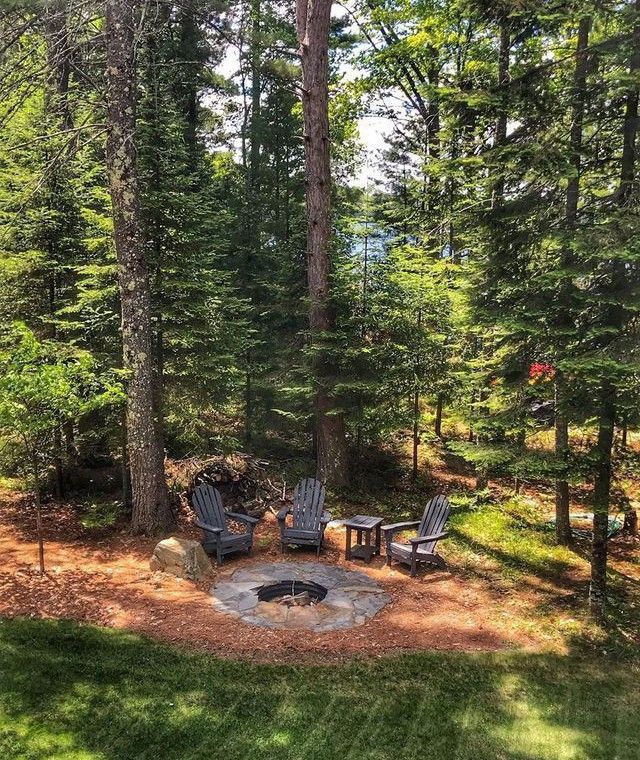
(69, 692)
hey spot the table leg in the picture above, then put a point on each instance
(378, 538)
(367, 543)
(347, 549)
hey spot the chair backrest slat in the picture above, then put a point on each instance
(308, 504)
(434, 519)
(207, 503)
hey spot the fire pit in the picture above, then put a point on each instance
(292, 593)
(299, 595)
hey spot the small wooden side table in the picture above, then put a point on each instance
(363, 524)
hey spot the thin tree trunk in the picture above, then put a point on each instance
(36, 487)
(416, 404)
(631, 522)
(563, 517)
(58, 463)
(58, 65)
(189, 57)
(602, 489)
(502, 120)
(438, 422)
(616, 317)
(312, 23)
(151, 511)
(562, 447)
(415, 438)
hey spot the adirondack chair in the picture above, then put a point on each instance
(213, 519)
(422, 548)
(308, 517)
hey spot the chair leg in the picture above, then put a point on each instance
(413, 567)
(318, 550)
(218, 555)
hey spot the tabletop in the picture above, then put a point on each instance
(361, 522)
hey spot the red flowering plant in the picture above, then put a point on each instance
(541, 372)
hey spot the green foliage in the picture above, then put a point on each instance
(42, 388)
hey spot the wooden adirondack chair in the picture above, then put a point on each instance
(213, 519)
(308, 517)
(422, 548)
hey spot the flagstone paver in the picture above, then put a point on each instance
(352, 597)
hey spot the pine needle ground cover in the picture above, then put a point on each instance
(70, 692)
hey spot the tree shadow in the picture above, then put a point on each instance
(72, 691)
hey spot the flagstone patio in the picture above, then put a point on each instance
(351, 599)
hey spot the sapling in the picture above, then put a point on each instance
(43, 385)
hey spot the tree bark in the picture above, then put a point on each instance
(563, 516)
(502, 120)
(624, 435)
(189, 56)
(36, 487)
(312, 23)
(615, 320)
(602, 489)
(438, 421)
(631, 522)
(562, 448)
(58, 65)
(150, 498)
(253, 200)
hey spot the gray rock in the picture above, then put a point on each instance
(181, 557)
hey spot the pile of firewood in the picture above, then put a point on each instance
(242, 481)
(303, 599)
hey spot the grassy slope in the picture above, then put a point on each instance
(70, 692)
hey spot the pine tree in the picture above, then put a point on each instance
(312, 22)
(151, 509)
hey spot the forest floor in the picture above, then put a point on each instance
(507, 584)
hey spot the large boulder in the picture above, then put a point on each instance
(181, 557)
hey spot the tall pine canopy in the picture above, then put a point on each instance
(331, 234)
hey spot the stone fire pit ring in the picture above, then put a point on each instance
(351, 597)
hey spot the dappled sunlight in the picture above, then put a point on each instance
(93, 694)
(532, 731)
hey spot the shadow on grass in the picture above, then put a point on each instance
(552, 570)
(71, 692)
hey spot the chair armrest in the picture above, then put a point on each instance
(243, 518)
(282, 514)
(325, 518)
(397, 527)
(425, 539)
(208, 528)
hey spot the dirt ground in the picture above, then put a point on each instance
(103, 577)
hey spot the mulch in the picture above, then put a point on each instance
(103, 577)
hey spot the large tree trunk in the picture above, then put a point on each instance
(615, 320)
(563, 524)
(150, 499)
(253, 214)
(312, 21)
